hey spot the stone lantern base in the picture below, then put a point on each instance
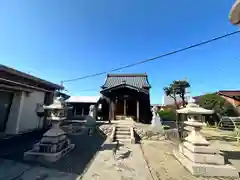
(196, 168)
(47, 157)
(53, 146)
(199, 158)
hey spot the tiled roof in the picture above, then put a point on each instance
(27, 76)
(135, 80)
(83, 99)
(229, 93)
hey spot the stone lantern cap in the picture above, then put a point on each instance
(58, 104)
(193, 108)
(235, 13)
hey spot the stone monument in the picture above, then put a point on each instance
(91, 119)
(54, 143)
(196, 154)
(156, 120)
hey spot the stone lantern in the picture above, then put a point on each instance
(54, 143)
(195, 153)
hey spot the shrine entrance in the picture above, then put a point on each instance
(127, 95)
(126, 107)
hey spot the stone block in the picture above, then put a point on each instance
(202, 158)
(200, 149)
(198, 169)
(47, 157)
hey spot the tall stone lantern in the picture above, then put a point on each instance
(195, 153)
(54, 143)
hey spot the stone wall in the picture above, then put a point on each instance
(146, 133)
(106, 129)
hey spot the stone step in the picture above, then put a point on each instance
(123, 132)
(122, 136)
(120, 117)
(123, 141)
(122, 128)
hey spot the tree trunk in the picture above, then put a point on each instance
(183, 100)
(176, 104)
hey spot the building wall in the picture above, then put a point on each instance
(28, 118)
(79, 110)
(170, 101)
(22, 116)
(13, 114)
(234, 102)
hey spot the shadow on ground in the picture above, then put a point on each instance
(231, 154)
(74, 162)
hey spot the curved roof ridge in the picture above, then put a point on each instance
(137, 80)
(127, 75)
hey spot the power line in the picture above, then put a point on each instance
(156, 57)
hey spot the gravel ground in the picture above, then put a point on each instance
(163, 164)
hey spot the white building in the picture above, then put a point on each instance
(21, 97)
(167, 100)
(81, 104)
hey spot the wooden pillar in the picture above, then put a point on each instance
(82, 112)
(74, 114)
(138, 110)
(113, 110)
(110, 110)
(125, 107)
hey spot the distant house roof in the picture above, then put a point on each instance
(235, 94)
(27, 76)
(83, 99)
(229, 93)
(134, 80)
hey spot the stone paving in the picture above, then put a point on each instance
(72, 165)
(13, 170)
(107, 166)
(149, 161)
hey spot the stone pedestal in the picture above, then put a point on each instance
(156, 121)
(54, 143)
(199, 158)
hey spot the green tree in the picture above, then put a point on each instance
(181, 86)
(220, 105)
(171, 92)
(177, 88)
(168, 114)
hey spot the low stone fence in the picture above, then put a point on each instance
(106, 129)
(144, 132)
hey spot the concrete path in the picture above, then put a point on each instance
(106, 166)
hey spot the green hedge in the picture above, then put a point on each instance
(168, 115)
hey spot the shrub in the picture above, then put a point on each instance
(168, 115)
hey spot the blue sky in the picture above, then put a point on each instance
(58, 40)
